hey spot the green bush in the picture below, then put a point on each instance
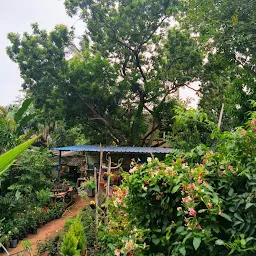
(69, 246)
(201, 202)
(78, 230)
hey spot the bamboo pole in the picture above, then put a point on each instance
(96, 206)
(107, 188)
(221, 114)
(100, 169)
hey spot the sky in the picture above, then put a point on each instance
(17, 16)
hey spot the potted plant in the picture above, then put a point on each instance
(105, 175)
(89, 187)
(13, 234)
(4, 240)
(92, 204)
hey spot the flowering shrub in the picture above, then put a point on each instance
(200, 202)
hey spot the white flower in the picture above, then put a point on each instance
(133, 170)
(117, 252)
(149, 159)
(144, 188)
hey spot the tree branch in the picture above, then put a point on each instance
(192, 88)
(148, 134)
(169, 67)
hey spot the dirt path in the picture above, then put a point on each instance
(50, 229)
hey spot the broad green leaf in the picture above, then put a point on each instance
(8, 158)
(156, 241)
(227, 217)
(238, 217)
(156, 188)
(219, 242)
(231, 192)
(196, 242)
(248, 205)
(175, 189)
(243, 242)
(182, 250)
(180, 229)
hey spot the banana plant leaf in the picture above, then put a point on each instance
(8, 158)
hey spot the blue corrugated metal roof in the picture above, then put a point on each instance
(93, 148)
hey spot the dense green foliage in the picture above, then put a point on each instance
(117, 84)
(226, 32)
(199, 202)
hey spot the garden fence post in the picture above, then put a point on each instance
(96, 204)
(107, 188)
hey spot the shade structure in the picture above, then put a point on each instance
(116, 149)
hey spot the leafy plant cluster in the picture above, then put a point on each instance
(25, 200)
(200, 202)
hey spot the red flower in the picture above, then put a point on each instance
(120, 198)
(157, 197)
(161, 192)
(196, 197)
(147, 182)
(184, 187)
(209, 206)
(192, 212)
(124, 192)
(220, 173)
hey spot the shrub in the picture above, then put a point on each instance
(200, 202)
(69, 246)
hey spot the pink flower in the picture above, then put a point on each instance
(157, 197)
(191, 186)
(133, 160)
(182, 160)
(243, 131)
(161, 192)
(220, 173)
(164, 184)
(147, 182)
(230, 167)
(192, 212)
(199, 181)
(185, 199)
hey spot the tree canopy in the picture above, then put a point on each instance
(118, 82)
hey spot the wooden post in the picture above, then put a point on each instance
(97, 186)
(107, 188)
(100, 169)
(59, 167)
(96, 206)
(221, 114)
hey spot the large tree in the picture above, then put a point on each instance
(227, 33)
(118, 82)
